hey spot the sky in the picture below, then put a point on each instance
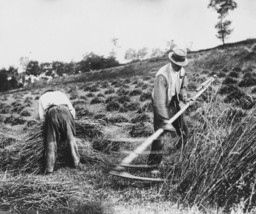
(66, 30)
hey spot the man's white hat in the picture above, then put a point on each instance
(178, 56)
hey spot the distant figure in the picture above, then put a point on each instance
(58, 114)
(169, 90)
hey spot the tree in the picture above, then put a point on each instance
(222, 7)
(33, 68)
(58, 67)
(130, 54)
(113, 52)
(141, 54)
(4, 84)
(156, 52)
(224, 30)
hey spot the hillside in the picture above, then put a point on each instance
(117, 104)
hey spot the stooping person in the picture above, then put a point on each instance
(57, 114)
(168, 92)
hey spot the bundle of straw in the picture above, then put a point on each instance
(221, 173)
(28, 155)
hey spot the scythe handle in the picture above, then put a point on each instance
(154, 136)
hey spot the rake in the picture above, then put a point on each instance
(119, 170)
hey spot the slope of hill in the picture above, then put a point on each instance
(118, 100)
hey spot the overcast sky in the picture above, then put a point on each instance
(65, 30)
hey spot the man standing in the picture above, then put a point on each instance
(58, 114)
(169, 90)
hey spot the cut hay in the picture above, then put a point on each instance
(28, 155)
(106, 146)
(31, 194)
(141, 129)
(143, 117)
(218, 171)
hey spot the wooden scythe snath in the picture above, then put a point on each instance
(119, 169)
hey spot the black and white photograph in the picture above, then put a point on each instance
(127, 107)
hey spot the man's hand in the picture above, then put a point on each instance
(168, 127)
(181, 104)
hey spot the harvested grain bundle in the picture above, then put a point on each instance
(240, 99)
(145, 107)
(227, 89)
(27, 155)
(113, 106)
(6, 141)
(97, 100)
(14, 120)
(106, 146)
(132, 106)
(88, 129)
(146, 96)
(141, 130)
(135, 92)
(214, 173)
(143, 117)
(118, 118)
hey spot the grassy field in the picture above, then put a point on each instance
(216, 173)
